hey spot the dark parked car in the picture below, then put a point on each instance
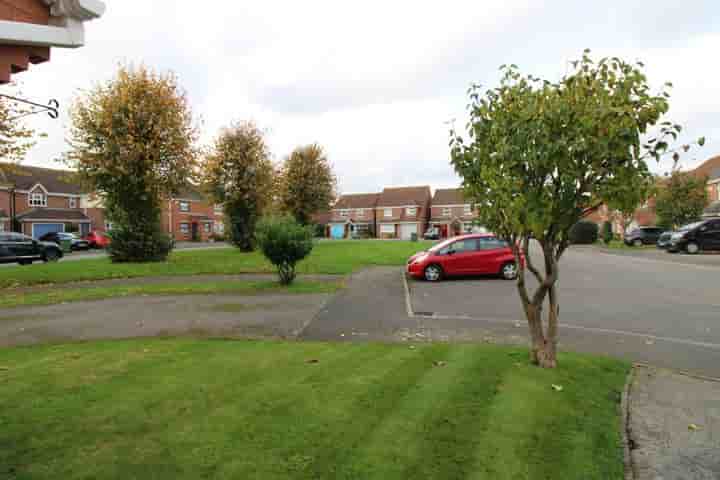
(697, 237)
(19, 248)
(665, 240)
(432, 234)
(643, 236)
(76, 243)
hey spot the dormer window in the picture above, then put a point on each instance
(38, 199)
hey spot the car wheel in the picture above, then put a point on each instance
(509, 271)
(638, 242)
(433, 273)
(692, 248)
(51, 256)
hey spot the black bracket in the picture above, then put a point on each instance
(52, 107)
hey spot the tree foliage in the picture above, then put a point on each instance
(681, 200)
(538, 154)
(132, 141)
(238, 174)
(306, 184)
(16, 138)
(284, 242)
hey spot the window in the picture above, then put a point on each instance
(72, 202)
(411, 211)
(2, 226)
(388, 213)
(387, 229)
(361, 213)
(468, 210)
(38, 199)
(218, 208)
(219, 228)
(108, 226)
(491, 243)
(344, 213)
(446, 212)
(185, 228)
(184, 206)
(207, 227)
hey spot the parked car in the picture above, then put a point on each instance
(76, 243)
(664, 240)
(432, 234)
(19, 248)
(97, 240)
(643, 236)
(475, 254)
(697, 237)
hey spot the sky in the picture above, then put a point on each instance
(378, 83)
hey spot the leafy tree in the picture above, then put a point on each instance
(630, 197)
(132, 142)
(238, 174)
(307, 184)
(284, 242)
(538, 153)
(583, 233)
(15, 137)
(681, 200)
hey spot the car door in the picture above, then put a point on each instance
(709, 235)
(24, 246)
(459, 257)
(491, 253)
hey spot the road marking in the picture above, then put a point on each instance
(625, 333)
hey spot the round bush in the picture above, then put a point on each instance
(584, 233)
(284, 242)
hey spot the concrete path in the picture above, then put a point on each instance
(674, 426)
(267, 316)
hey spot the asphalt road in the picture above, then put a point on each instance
(662, 312)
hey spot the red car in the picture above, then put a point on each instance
(478, 254)
(97, 240)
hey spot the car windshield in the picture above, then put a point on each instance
(691, 226)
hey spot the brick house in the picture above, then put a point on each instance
(401, 212)
(710, 169)
(29, 28)
(190, 216)
(41, 200)
(451, 214)
(353, 216)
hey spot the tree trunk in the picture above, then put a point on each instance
(542, 349)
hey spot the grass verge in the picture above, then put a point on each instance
(60, 295)
(331, 257)
(184, 408)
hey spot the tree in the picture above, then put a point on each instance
(538, 153)
(284, 242)
(238, 174)
(630, 197)
(307, 183)
(681, 200)
(132, 141)
(15, 137)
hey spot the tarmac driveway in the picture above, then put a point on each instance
(665, 313)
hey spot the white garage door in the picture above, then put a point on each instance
(406, 230)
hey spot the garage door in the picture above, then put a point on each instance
(406, 230)
(40, 229)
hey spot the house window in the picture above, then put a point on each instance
(388, 213)
(208, 227)
(72, 202)
(184, 206)
(218, 209)
(38, 199)
(446, 212)
(344, 213)
(387, 229)
(411, 211)
(108, 226)
(2, 226)
(468, 210)
(360, 213)
(185, 228)
(219, 228)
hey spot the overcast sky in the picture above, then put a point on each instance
(376, 82)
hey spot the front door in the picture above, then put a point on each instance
(195, 232)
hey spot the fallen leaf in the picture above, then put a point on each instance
(412, 347)
(439, 364)
(693, 427)
(557, 388)
(314, 360)
(146, 351)
(4, 369)
(649, 342)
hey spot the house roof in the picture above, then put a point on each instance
(709, 168)
(24, 177)
(357, 200)
(321, 218)
(59, 214)
(449, 196)
(190, 192)
(713, 210)
(400, 197)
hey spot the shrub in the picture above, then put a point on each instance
(128, 245)
(284, 242)
(607, 232)
(584, 233)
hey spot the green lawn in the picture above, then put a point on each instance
(333, 257)
(175, 409)
(620, 245)
(63, 295)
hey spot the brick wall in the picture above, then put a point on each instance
(368, 216)
(455, 212)
(26, 11)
